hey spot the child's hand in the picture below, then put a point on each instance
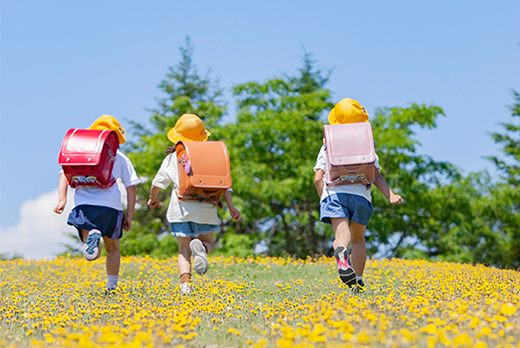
(235, 214)
(127, 223)
(154, 203)
(395, 199)
(58, 209)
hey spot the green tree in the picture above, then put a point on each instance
(476, 218)
(511, 146)
(405, 230)
(186, 92)
(448, 216)
(503, 208)
(274, 144)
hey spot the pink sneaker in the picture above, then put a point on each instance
(345, 270)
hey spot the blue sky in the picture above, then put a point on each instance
(64, 63)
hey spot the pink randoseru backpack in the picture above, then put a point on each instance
(87, 157)
(350, 154)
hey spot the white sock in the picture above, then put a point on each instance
(112, 281)
(358, 278)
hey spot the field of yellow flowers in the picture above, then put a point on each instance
(257, 302)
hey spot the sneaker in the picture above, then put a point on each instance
(360, 287)
(185, 288)
(345, 270)
(200, 260)
(110, 292)
(91, 246)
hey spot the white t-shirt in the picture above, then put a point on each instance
(182, 211)
(354, 189)
(109, 197)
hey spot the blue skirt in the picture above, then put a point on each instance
(88, 217)
(344, 205)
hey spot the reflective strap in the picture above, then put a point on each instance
(351, 180)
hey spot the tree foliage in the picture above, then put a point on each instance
(413, 176)
(186, 91)
(273, 145)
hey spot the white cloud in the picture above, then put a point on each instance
(41, 233)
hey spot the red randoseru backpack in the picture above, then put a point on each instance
(87, 157)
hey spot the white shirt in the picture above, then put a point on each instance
(182, 211)
(109, 197)
(353, 189)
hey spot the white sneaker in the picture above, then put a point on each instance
(200, 260)
(185, 288)
(91, 246)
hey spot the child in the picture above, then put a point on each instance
(98, 212)
(192, 222)
(348, 208)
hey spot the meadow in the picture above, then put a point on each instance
(258, 302)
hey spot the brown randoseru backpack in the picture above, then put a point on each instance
(204, 170)
(87, 157)
(350, 154)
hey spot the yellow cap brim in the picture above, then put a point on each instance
(175, 137)
(332, 116)
(120, 136)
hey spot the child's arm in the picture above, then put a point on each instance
(153, 202)
(382, 186)
(130, 207)
(235, 214)
(62, 194)
(318, 181)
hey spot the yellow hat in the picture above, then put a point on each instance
(107, 122)
(189, 127)
(348, 111)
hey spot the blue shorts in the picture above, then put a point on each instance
(344, 205)
(107, 220)
(191, 229)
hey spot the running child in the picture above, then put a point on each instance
(98, 212)
(192, 222)
(348, 208)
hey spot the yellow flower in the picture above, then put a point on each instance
(430, 329)
(463, 339)
(49, 338)
(508, 309)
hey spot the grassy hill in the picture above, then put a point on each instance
(258, 302)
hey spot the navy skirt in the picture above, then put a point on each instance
(88, 217)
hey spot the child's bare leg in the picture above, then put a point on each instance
(341, 229)
(207, 240)
(342, 236)
(184, 260)
(113, 255)
(113, 262)
(359, 249)
(184, 263)
(84, 235)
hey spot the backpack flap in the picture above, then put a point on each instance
(204, 170)
(87, 157)
(350, 153)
